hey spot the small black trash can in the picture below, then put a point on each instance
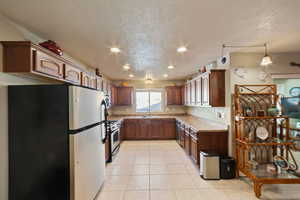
(227, 168)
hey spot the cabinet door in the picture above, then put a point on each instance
(48, 65)
(99, 84)
(130, 129)
(187, 146)
(198, 91)
(178, 95)
(217, 88)
(124, 96)
(188, 94)
(182, 95)
(156, 129)
(114, 95)
(85, 79)
(142, 129)
(104, 86)
(205, 89)
(93, 82)
(169, 95)
(72, 74)
(174, 95)
(194, 149)
(169, 129)
(193, 92)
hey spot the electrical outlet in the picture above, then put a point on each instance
(220, 115)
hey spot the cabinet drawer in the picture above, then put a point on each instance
(47, 65)
(72, 74)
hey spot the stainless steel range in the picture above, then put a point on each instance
(114, 137)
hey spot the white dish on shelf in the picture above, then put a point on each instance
(262, 133)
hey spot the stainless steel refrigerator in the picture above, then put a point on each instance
(56, 142)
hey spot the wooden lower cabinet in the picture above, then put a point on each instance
(130, 129)
(149, 129)
(187, 143)
(156, 131)
(194, 149)
(193, 142)
(169, 128)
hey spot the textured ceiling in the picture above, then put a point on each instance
(149, 31)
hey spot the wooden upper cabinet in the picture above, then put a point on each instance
(27, 58)
(205, 89)
(72, 74)
(217, 88)
(93, 82)
(85, 79)
(46, 64)
(174, 95)
(198, 91)
(104, 86)
(193, 92)
(188, 93)
(99, 83)
(124, 96)
(114, 95)
(30, 59)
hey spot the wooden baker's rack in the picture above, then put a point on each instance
(260, 98)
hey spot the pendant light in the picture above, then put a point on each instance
(266, 60)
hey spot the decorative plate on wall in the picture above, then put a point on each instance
(262, 133)
(295, 91)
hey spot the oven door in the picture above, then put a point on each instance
(115, 141)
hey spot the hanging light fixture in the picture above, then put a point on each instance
(148, 81)
(148, 78)
(266, 60)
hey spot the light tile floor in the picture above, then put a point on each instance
(160, 170)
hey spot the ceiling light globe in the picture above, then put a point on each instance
(182, 49)
(115, 50)
(266, 60)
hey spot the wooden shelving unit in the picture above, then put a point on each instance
(260, 98)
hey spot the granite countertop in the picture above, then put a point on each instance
(197, 123)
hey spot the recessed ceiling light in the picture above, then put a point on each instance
(181, 49)
(126, 67)
(131, 75)
(115, 50)
(166, 75)
(170, 67)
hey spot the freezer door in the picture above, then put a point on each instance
(87, 162)
(84, 107)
